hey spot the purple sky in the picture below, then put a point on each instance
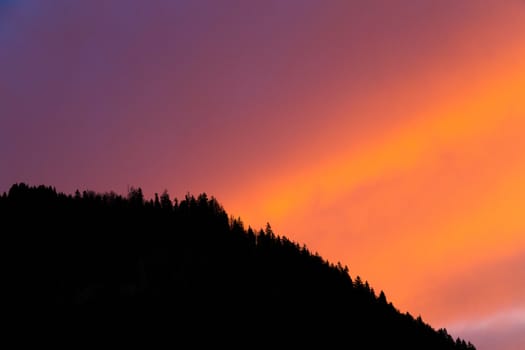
(343, 123)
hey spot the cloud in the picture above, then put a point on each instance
(503, 330)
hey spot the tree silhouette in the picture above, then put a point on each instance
(175, 269)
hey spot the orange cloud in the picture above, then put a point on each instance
(412, 205)
(448, 123)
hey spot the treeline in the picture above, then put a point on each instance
(186, 266)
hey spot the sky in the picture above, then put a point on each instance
(386, 135)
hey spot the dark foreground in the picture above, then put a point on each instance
(184, 274)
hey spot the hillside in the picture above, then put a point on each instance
(185, 267)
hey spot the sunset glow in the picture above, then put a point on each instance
(385, 135)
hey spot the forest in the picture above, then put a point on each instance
(184, 267)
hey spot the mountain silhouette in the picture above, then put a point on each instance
(188, 273)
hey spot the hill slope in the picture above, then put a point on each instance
(185, 267)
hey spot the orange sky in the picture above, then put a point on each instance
(430, 200)
(385, 135)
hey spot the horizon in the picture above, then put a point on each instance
(126, 254)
